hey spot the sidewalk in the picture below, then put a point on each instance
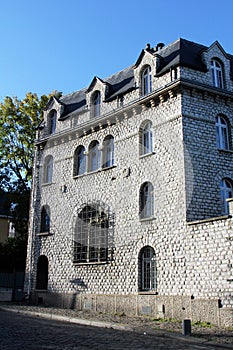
(208, 334)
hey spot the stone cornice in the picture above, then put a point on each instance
(138, 105)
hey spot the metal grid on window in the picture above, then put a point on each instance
(93, 234)
(148, 269)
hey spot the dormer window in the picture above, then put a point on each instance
(146, 81)
(96, 99)
(217, 74)
(52, 122)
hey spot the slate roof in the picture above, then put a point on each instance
(181, 52)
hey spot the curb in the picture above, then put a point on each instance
(121, 327)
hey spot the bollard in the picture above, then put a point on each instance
(186, 327)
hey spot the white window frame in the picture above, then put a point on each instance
(147, 139)
(108, 151)
(222, 133)
(80, 161)
(146, 201)
(226, 189)
(94, 156)
(48, 169)
(217, 73)
(96, 101)
(146, 78)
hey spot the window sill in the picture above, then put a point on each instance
(149, 292)
(147, 219)
(94, 172)
(46, 184)
(146, 155)
(223, 150)
(43, 234)
(90, 263)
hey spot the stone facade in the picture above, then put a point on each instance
(175, 261)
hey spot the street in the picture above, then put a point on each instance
(20, 332)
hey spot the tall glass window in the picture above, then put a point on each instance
(147, 139)
(226, 189)
(48, 169)
(108, 151)
(45, 219)
(146, 81)
(222, 133)
(217, 74)
(147, 269)
(94, 155)
(79, 161)
(53, 122)
(96, 100)
(146, 201)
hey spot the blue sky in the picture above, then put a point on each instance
(61, 45)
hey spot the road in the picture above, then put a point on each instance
(23, 332)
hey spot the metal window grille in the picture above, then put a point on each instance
(93, 236)
(148, 269)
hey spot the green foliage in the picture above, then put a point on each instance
(202, 324)
(18, 123)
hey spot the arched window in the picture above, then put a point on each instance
(52, 121)
(96, 99)
(147, 269)
(146, 202)
(94, 156)
(93, 234)
(226, 189)
(48, 169)
(45, 219)
(146, 138)
(79, 161)
(222, 133)
(108, 151)
(42, 273)
(146, 79)
(217, 73)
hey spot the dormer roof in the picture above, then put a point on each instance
(181, 52)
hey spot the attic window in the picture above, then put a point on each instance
(217, 74)
(52, 122)
(146, 79)
(96, 99)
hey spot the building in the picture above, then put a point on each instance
(131, 201)
(6, 217)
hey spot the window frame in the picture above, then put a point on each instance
(146, 139)
(108, 152)
(222, 133)
(226, 191)
(96, 103)
(93, 234)
(146, 201)
(147, 270)
(217, 73)
(80, 161)
(94, 156)
(48, 170)
(52, 121)
(146, 81)
(45, 219)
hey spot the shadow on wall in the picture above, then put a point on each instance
(79, 286)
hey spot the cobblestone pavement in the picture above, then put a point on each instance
(20, 331)
(24, 332)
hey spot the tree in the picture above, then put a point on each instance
(18, 122)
